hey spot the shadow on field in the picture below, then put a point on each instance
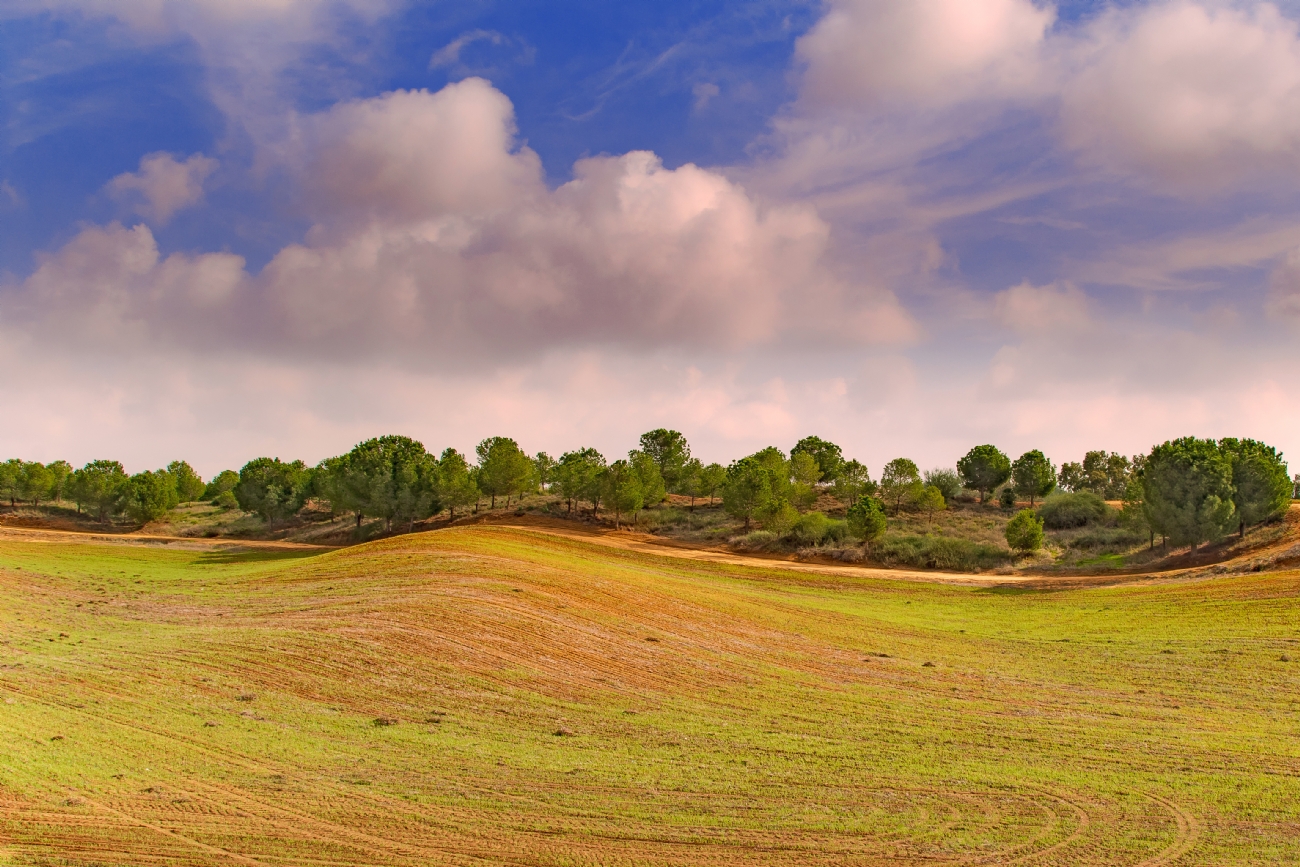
(255, 555)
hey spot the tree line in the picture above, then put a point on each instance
(1187, 491)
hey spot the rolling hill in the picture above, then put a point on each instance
(504, 695)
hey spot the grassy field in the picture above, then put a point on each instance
(487, 695)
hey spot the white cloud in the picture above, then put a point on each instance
(1199, 94)
(410, 155)
(703, 92)
(438, 237)
(163, 185)
(919, 53)
(170, 16)
(449, 54)
(1043, 312)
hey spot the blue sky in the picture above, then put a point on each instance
(235, 228)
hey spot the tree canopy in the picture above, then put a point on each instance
(1033, 476)
(1187, 491)
(503, 468)
(829, 457)
(670, 452)
(983, 469)
(99, 485)
(272, 488)
(1261, 486)
(189, 486)
(900, 482)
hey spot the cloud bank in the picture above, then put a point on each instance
(976, 221)
(437, 236)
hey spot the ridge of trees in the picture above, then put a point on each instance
(1188, 491)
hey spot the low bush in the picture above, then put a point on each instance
(815, 528)
(1078, 509)
(1025, 531)
(938, 552)
(758, 540)
(1104, 540)
(669, 517)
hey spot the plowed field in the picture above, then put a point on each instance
(499, 695)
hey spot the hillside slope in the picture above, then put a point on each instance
(496, 695)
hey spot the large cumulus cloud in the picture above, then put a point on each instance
(436, 235)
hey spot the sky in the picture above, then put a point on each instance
(233, 228)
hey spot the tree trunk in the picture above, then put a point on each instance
(358, 520)
(494, 501)
(451, 514)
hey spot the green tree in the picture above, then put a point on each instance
(983, 469)
(456, 488)
(11, 481)
(829, 457)
(867, 518)
(852, 482)
(329, 483)
(578, 476)
(100, 486)
(36, 481)
(1187, 489)
(651, 482)
(670, 452)
(900, 481)
(930, 500)
(189, 487)
(621, 489)
(272, 488)
(224, 481)
(805, 473)
(543, 470)
(947, 481)
(1033, 476)
(688, 484)
(504, 468)
(1134, 513)
(1025, 531)
(1070, 478)
(712, 478)
(60, 473)
(1261, 484)
(149, 495)
(748, 489)
(396, 478)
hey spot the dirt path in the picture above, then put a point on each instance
(645, 543)
(30, 534)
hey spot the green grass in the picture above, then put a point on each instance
(776, 717)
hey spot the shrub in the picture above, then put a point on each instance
(947, 481)
(758, 540)
(1105, 540)
(1025, 531)
(938, 552)
(867, 518)
(1080, 509)
(1007, 497)
(815, 528)
(671, 517)
(226, 500)
(780, 518)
